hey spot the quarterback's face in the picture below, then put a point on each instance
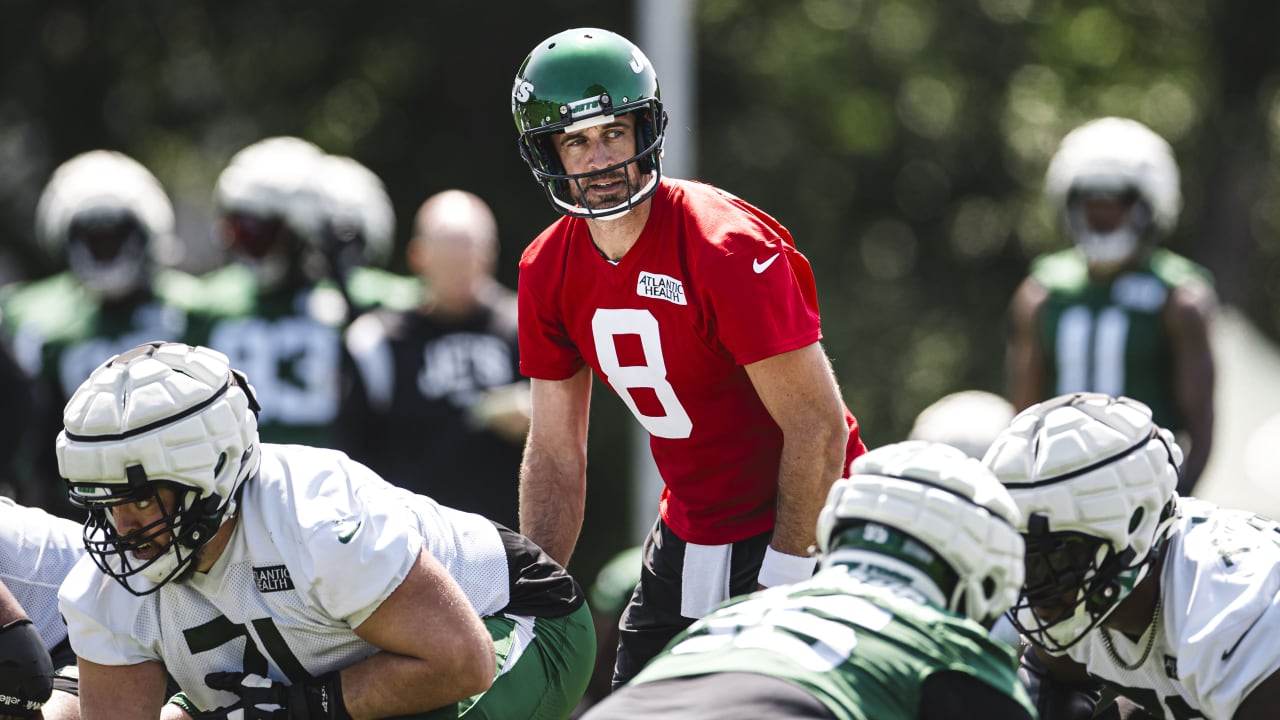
(595, 148)
(143, 525)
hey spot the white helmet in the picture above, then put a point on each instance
(267, 210)
(968, 420)
(1115, 156)
(360, 220)
(108, 216)
(1096, 482)
(930, 514)
(161, 414)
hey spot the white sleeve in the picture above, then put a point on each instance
(101, 617)
(1229, 594)
(360, 542)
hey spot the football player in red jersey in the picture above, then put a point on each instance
(697, 309)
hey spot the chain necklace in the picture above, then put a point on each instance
(1151, 639)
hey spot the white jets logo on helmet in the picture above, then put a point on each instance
(522, 91)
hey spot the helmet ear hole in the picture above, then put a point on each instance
(201, 521)
(1136, 519)
(221, 463)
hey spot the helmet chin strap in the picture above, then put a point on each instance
(614, 216)
(623, 208)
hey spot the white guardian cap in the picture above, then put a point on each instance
(160, 415)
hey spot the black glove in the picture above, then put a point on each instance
(26, 672)
(1053, 699)
(265, 699)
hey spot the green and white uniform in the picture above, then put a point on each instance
(37, 550)
(1111, 338)
(320, 542)
(1215, 636)
(862, 650)
(289, 342)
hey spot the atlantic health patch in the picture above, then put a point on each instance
(273, 578)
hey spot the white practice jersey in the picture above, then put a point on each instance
(320, 542)
(37, 550)
(1221, 617)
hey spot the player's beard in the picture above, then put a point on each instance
(594, 198)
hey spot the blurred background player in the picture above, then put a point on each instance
(16, 404)
(357, 224)
(919, 554)
(1171, 602)
(1115, 313)
(295, 220)
(109, 219)
(968, 420)
(37, 551)
(434, 401)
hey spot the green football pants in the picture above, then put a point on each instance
(543, 680)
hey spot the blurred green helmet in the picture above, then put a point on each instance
(574, 80)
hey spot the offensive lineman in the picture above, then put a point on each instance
(287, 581)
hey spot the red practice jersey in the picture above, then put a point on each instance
(712, 284)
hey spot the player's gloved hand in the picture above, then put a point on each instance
(265, 699)
(1053, 699)
(26, 672)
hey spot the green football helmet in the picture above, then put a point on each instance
(574, 80)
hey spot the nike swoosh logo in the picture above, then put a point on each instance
(760, 267)
(1231, 650)
(345, 537)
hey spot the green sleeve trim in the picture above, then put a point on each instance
(182, 701)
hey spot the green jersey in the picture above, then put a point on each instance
(863, 651)
(59, 333)
(1111, 337)
(288, 342)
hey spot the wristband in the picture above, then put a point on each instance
(184, 702)
(782, 569)
(318, 699)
